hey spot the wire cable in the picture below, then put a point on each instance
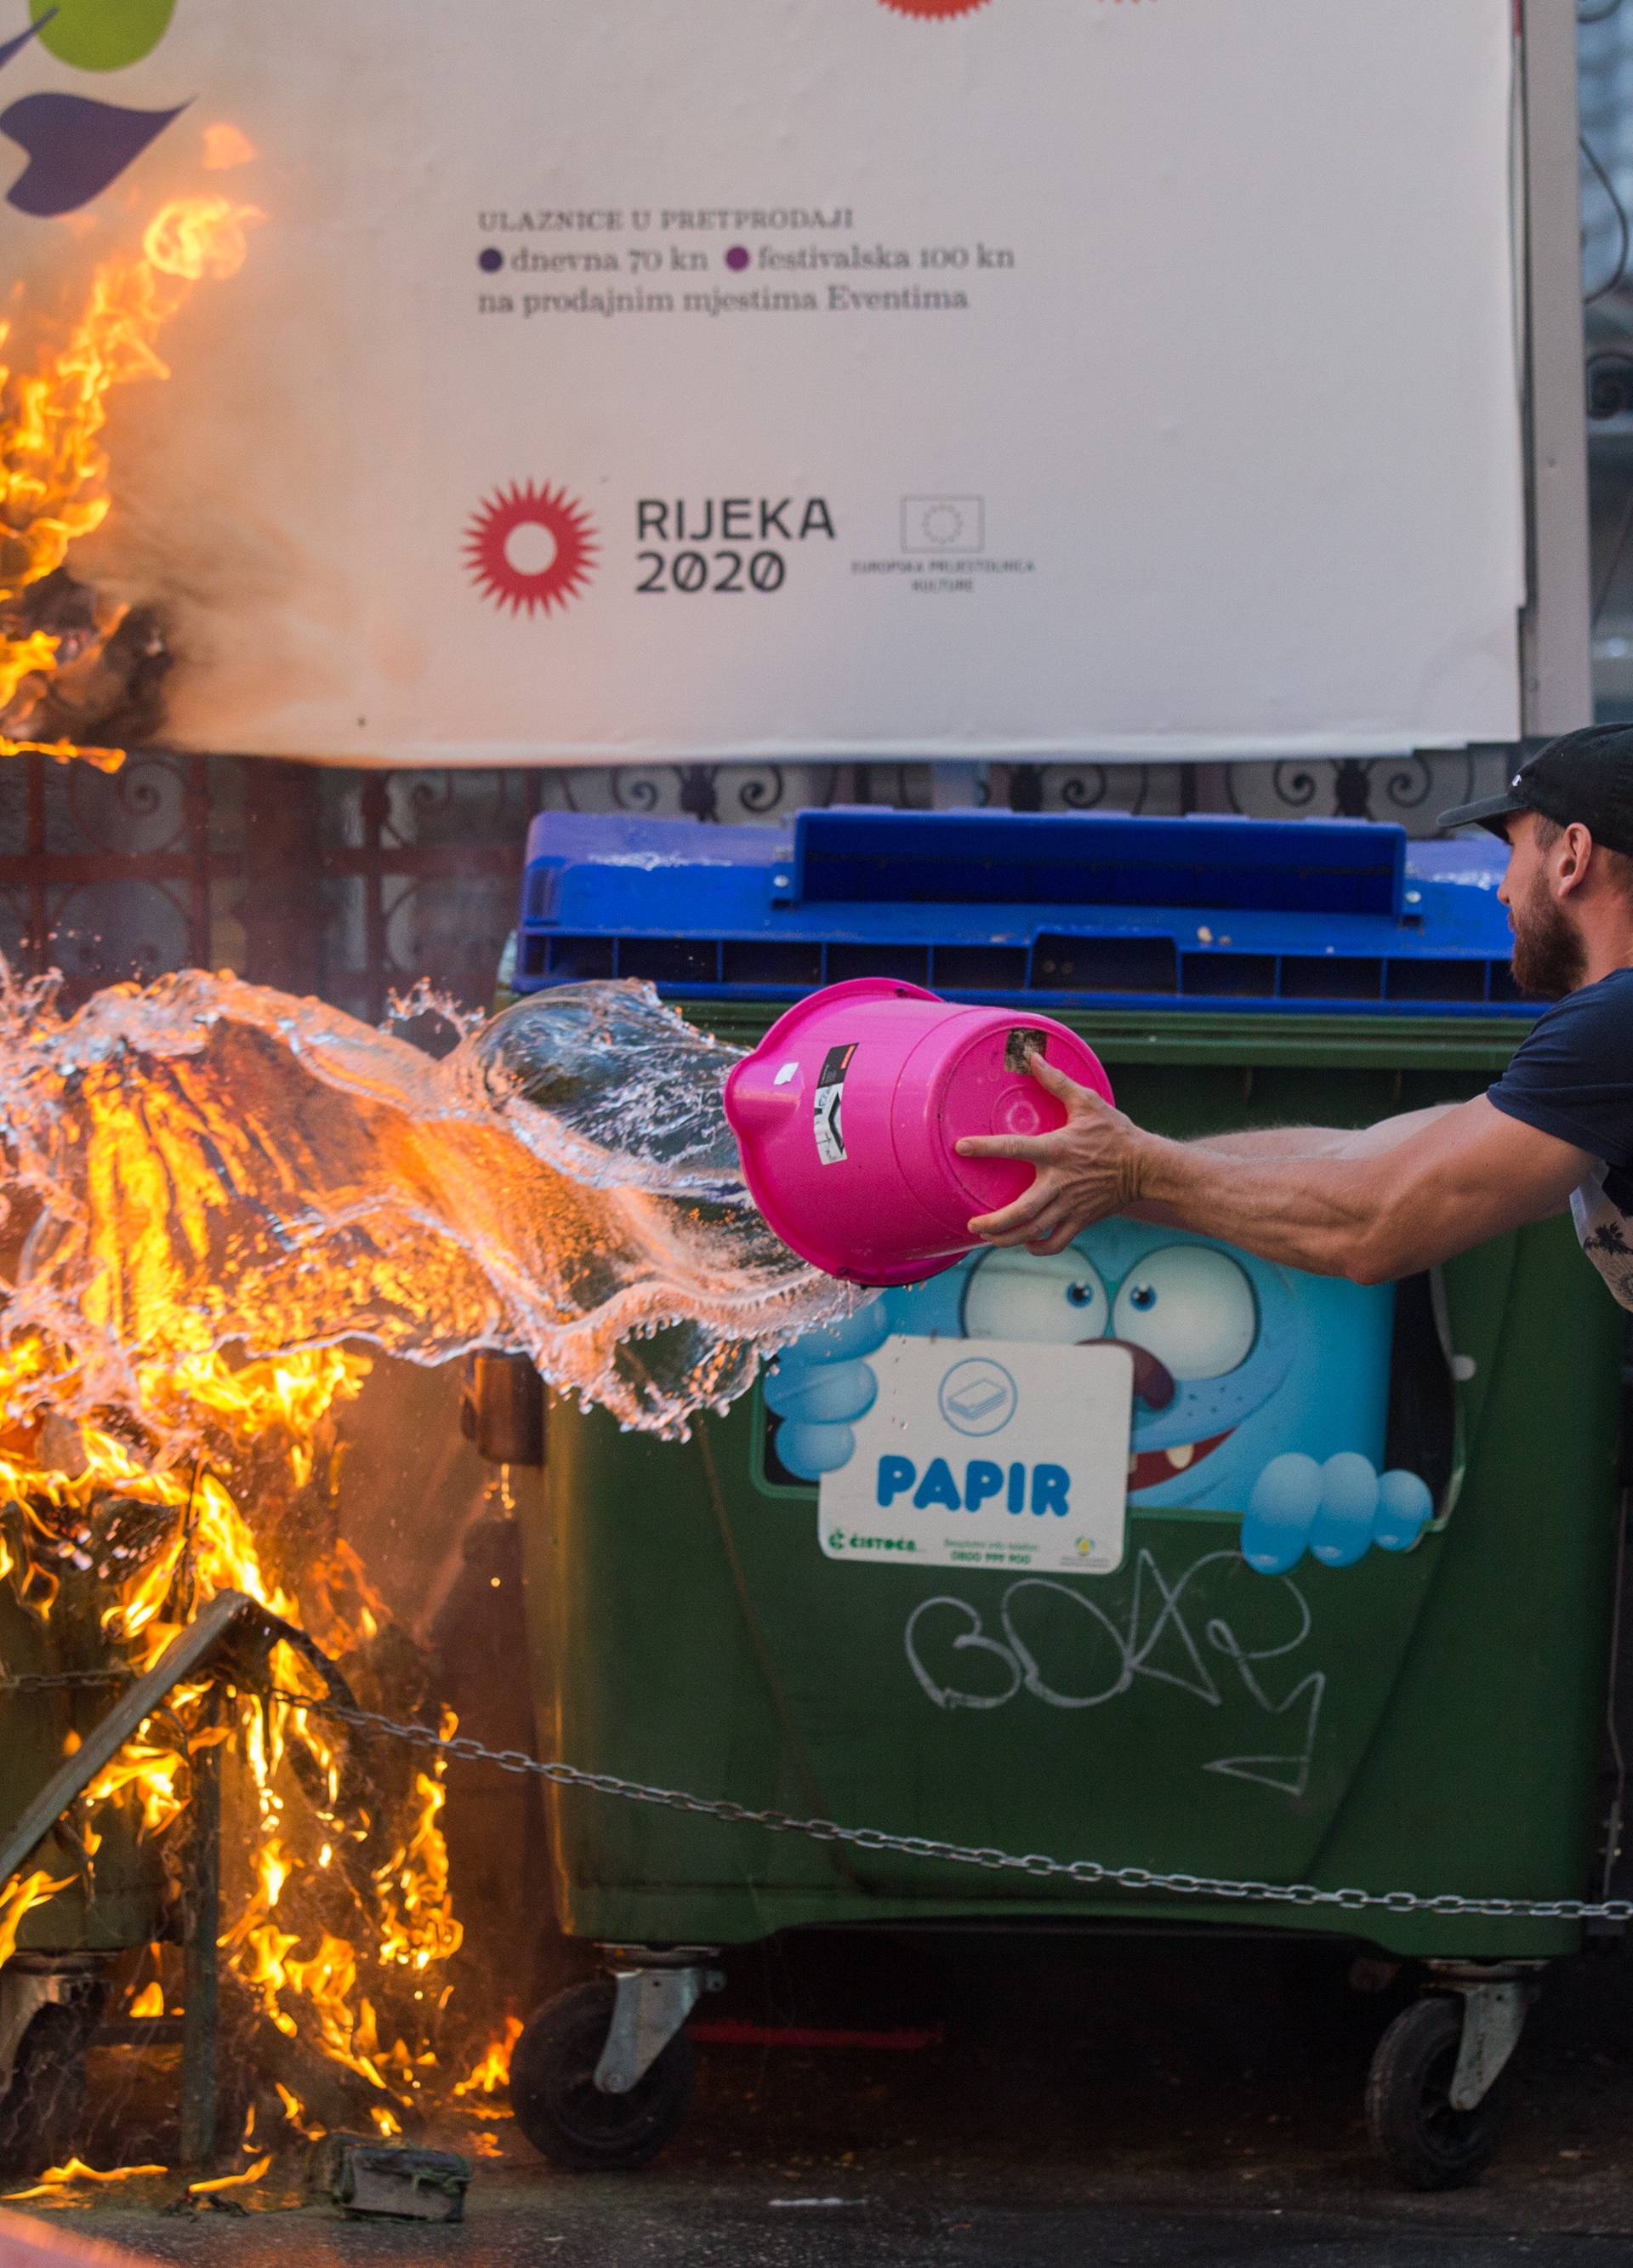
(1624, 236)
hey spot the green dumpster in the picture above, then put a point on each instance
(1424, 1721)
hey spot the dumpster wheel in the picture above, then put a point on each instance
(566, 2116)
(1426, 2143)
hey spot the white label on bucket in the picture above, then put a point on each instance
(987, 1452)
(826, 1114)
(789, 1070)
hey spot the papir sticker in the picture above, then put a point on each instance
(827, 1118)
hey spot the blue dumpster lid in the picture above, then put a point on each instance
(1096, 906)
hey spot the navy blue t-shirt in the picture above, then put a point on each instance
(1572, 1077)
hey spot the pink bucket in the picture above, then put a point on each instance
(847, 1113)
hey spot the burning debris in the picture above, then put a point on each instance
(221, 1207)
(72, 667)
(339, 1921)
(395, 2183)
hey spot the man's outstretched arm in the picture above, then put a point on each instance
(1259, 1144)
(1381, 1204)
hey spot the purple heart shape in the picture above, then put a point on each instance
(76, 147)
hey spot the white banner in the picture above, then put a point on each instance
(804, 378)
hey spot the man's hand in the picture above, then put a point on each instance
(1086, 1169)
(1372, 1205)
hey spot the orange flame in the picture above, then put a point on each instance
(294, 2112)
(18, 1900)
(54, 470)
(132, 1490)
(255, 2173)
(225, 146)
(312, 1984)
(493, 2069)
(75, 2169)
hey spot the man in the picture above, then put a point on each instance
(1556, 1129)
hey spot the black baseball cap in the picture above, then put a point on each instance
(1584, 779)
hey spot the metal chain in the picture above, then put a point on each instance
(56, 1681)
(1086, 1873)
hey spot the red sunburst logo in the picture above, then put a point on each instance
(498, 577)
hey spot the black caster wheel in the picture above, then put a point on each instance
(42, 2112)
(562, 2113)
(1426, 2144)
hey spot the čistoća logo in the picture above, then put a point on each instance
(75, 144)
(527, 548)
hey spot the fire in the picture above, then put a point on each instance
(493, 2071)
(61, 2177)
(338, 1917)
(417, 1912)
(255, 2173)
(320, 1993)
(217, 1476)
(54, 469)
(196, 237)
(199, 1174)
(294, 2112)
(19, 1900)
(225, 146)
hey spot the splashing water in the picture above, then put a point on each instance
(204, 1165)
(209, 1193)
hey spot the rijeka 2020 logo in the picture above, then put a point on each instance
(528, 548)
(75, 144)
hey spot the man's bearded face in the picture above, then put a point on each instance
(1548, 956)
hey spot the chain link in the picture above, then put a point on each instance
(60, 1680)
(1087, 1874)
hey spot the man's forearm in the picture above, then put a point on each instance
(1321, 1214)
(1260, 1142)
(1345, 1205)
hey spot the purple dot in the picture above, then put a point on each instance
(490, 260)
(738, 256)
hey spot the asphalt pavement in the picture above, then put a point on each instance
(666, 2224)
(1096, 2103)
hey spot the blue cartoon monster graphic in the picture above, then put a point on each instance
(1257, 1391)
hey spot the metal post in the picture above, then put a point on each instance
(202, 1923)
(1556, 660)
(195, 837)
(38, 943)
(283, 933)
(374, 812)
